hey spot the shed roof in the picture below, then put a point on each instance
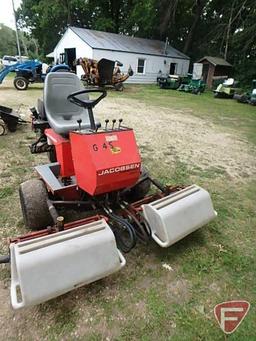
(215, 61)
(123, 43)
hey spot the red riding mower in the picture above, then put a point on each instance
(99, 171)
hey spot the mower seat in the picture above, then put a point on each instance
(62, 115)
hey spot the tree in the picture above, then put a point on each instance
(196, 27)
(8, 45)
(7, 41)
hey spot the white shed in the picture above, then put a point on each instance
(146, 57)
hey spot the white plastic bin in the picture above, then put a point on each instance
(175, 216)
(49, 266)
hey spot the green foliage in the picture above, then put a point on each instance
(8, 45)
(7, 41)
(197, 27)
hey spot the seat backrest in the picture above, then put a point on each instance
(229, 81)
(58, 85)
(105, 69)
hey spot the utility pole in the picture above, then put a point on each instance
(16, 29)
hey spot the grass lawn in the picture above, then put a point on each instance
(148, 301)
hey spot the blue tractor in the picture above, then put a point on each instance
(29, 71)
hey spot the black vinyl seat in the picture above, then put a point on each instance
(62, 115)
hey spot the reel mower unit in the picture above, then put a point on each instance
(96, 170)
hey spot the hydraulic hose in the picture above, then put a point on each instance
(123, 224)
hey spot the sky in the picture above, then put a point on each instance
(6, 12)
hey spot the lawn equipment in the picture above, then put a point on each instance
(98, 171)
(227, 89)
(169, 81)
(249, 97)
(29, 71)
(9, 119)
(103, 72)
(194, 86)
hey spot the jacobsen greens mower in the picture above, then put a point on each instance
(98, 170)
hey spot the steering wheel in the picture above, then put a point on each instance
(86, 103)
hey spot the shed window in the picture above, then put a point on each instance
(141, 65)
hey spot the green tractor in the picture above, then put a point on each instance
(169, 81)
(248, 97)
(194, 86)
(227, 89)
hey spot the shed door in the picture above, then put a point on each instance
(205, 72)
(173, 68)
(70, 58)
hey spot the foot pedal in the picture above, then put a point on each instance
(175, 216)
(52, 265)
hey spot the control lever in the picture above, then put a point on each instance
(106, 121)
(79, 123)
(114, 122)
(120, 121)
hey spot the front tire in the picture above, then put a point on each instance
(33, 201)
(20, 83)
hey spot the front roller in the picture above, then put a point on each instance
(51, 265)
(178, 214)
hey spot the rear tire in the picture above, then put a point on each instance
(12, 127)
(20, 83)
(33, 201)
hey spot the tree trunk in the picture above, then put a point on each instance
(24, 44)
(168, 16)
(228, 30)
(199, 9)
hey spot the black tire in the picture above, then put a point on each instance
(12, 127)
(139, 190)
(33, 201)
(119, 87)
(241, 98)
(20, 83)
(52, 155)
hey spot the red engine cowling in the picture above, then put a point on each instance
(105, 161)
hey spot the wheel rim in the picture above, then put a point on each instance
(2, 129)
(21, 84)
